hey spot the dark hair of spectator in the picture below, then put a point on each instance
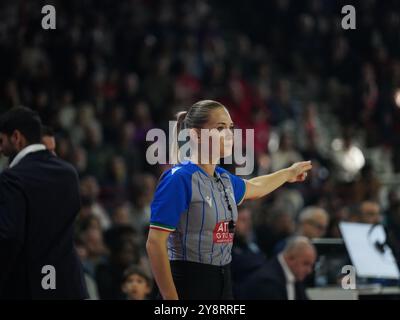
(24, 120)
(47, 131)
(86, 223)
(132, 270)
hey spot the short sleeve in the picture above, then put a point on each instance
(239, 187)
(171, 199)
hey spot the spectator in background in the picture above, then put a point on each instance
(125, 147)
(91, 235)
(246, 255)
(367, 212)
(89, 194)
(143, 122)
(97, 153)
(311, 134)
(142, 191)
(124, 232)
(313, 223)
(282, 107)
(89, 279)
(285, 155)
(281, 278)
(367, 185)
(114, 119)
(261, 131)
(136, 284)
(110, 274)
(121, 216)
(79, 160)
(48, 139)
(263, 164)
(347, 158)
(278, 225)
(239, 99)
(64, 147)
(115, 183)
(340, 215)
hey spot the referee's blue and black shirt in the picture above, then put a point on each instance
(192, 206)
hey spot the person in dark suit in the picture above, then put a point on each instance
(281, 278)
(39, 201)
(246, 256)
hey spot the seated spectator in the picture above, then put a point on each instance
(370, 212)
(124, 232)
(340, 215)
(89, 193)
(114, 187)
(48, 139)
(286, 154)
(281, 278)
(367, 212)
(367, 185)
(142, 192)
(313, 223)
(136, 284)
(246, 255)
(278, 226)
(89, 280)
(121, 216)
(347, 158)
(109, 275)
(91, 235)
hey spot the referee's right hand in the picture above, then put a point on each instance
(298, 171)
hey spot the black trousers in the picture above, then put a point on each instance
(198, 281)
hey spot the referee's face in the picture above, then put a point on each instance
(220, 122)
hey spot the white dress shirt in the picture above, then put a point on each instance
(29, 149)
(290, 278)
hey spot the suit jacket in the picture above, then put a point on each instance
(39, 201)
(269, 283)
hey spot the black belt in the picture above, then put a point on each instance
(194, 266)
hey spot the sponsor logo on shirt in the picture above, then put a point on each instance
(221, 233)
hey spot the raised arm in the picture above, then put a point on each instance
(261, 186)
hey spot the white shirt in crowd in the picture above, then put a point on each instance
(290, 278)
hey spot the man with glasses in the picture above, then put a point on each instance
(313, 222)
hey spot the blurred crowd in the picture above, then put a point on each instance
(311, 90)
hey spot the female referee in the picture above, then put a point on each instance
(194, 211)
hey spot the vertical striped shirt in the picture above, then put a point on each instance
(192, 206)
